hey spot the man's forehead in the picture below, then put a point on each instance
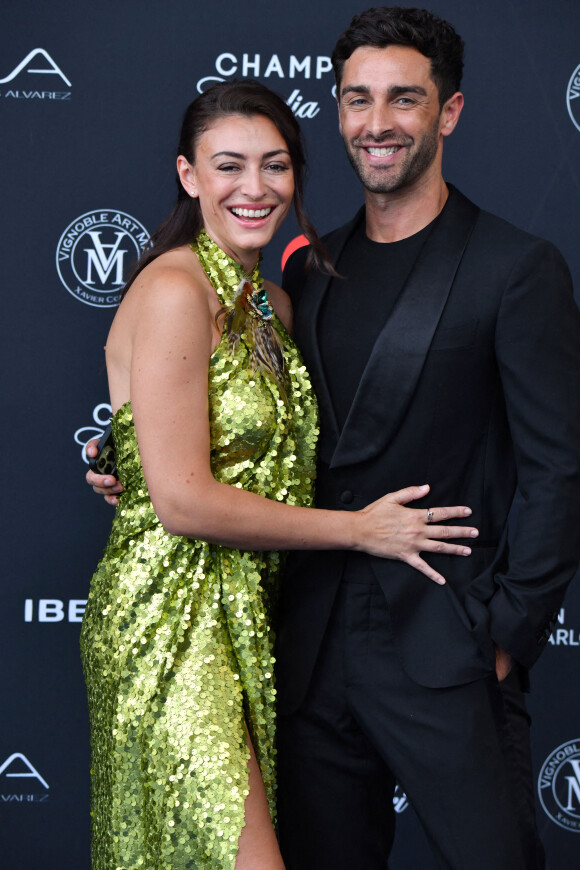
(370, 67)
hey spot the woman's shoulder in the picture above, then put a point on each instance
(172, 284)
(175, 273)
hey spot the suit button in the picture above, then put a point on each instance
(347, 497)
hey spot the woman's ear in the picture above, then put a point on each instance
(186, 174)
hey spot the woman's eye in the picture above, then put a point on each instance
(277, 167)
(228, 167)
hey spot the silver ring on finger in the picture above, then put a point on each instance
(429, 515)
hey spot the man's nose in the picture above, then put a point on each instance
(380, 121)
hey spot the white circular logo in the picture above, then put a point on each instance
(559, 785)
(101, 416)
(95, 252)
(573, 97)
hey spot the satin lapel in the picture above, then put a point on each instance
(394, 367)
(305, 334)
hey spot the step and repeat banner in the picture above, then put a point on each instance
(91, 97)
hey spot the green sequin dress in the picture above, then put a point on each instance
(177, 641)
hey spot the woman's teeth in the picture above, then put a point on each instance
(251, 212)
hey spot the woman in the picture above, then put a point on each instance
(215, 430)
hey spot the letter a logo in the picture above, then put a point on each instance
(31, 770)
(53, 68)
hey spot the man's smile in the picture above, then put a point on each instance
(381, 151)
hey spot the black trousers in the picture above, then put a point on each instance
(461, 754)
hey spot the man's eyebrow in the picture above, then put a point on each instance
(354, 89)
(394, 91)
(397, 90)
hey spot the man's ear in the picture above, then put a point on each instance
(450, 114)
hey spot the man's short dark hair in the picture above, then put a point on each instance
(383, 26)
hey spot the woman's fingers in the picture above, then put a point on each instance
(393, 531)
(431, 514)
(415, 561)
(436, 515)
(409, 493)
(444, 532)
(92, 447)
(105, 485)
(445, 549)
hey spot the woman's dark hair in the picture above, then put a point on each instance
(247, 98)
(383, 26)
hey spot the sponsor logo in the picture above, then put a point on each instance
(54, 610)
(573, 97)
(563, 635)
(274, 68)
(94, 253)
(29, 66)
(101, 416)
(15, 768)
(559, 785)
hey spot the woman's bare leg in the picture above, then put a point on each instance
(257, 846)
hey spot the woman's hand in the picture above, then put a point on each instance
(103, 484)
(390, 530)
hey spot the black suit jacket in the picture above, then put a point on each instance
(473, 386)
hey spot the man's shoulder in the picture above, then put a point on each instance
(493, 229)
(511, 253)
(510, 249)
(491, 223)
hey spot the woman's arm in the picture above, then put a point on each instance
(172, 341)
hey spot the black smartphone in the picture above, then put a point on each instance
(105, 462)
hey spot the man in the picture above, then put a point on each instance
(448, 352)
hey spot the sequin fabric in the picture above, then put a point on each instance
(177, 641)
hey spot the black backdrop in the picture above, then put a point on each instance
(91, 96)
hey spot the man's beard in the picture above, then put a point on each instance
(388, 179)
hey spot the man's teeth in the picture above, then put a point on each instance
(252, 212)
(383, 152)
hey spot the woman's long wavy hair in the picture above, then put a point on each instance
(248, 98)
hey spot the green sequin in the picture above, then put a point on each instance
(177, 641)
